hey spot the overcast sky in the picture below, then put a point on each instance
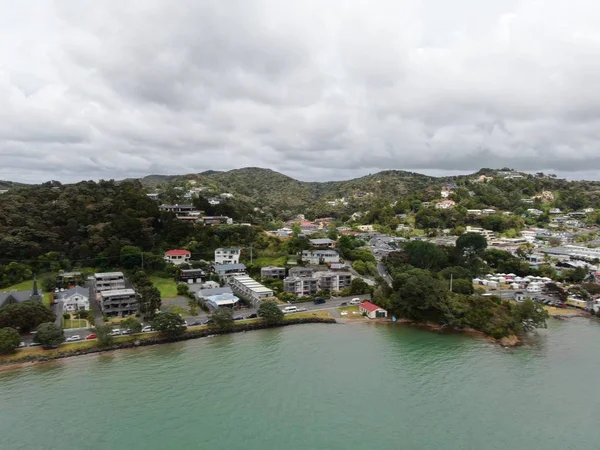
(317, 89)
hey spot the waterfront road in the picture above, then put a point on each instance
(330, 304)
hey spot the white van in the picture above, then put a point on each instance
(355, 301)
(290, 309)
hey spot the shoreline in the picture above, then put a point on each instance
(32, 360)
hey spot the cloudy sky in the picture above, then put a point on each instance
(315, 89)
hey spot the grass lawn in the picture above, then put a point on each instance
(352, 312)
(166, 286)
(278, 261)
(308, 314)
(178, 310)
(75, 323)
(28, 285)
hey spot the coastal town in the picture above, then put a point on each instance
(329, 266)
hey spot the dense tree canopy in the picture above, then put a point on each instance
(25, 316)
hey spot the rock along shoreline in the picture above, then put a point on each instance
(28, 360)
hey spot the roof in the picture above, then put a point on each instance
(228, 249)
(117, 292)
(73, 291)
(319, 252)
(225, 299)
(18, 296)
(252, 284)
(369, 306)
(322, 241)
(272, 268)
(216, 291)
(69, 274)
(108, 274)
(176, 252)
(226, 267)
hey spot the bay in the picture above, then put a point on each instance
(354, 386)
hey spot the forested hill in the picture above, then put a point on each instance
(271, 189)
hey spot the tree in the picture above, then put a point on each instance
(169, 324)
(471, 244)
(525, 250)
(9, 340)
(419, 296)
(103, 335)
(270, 312)
(222, 318)
(359, 287)
(130, 257)
(133, 324)
(462, 286)
(25, 316)
(425, 255)
(183, 289)
(529, 315)
(49, 335)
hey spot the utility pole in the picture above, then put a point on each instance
(451, 278)
(142, 260)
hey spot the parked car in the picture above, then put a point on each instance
(22, 344)
(147, 329)
(127, 331)
(355, 301)
(34, 344)
(73, 338)
(91, 336)
(195, 323)
(252, 316)
(319, 300)
(115, 332)
(238, 318)
(344, 304)
(206, 322)
(290, 309)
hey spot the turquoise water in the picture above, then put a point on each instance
(358, 386)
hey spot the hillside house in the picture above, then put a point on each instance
(177, 256)
(323, 243)
(445, 204)
(320, 256)
(272, 272)
(227, 255)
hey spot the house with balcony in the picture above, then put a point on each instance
(178, 257)
(272, 272)
(225, 271)
(106, 281)
(300, 272)
(230, 255)
(118, 302)
(322, 243)
(320, 256)
(301, 286)
(335, 281)
(191, 275)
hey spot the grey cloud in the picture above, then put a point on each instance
(319, 90)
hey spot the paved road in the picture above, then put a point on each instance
(331, 304)
(383, 273)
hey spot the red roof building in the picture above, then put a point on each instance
(372, 311)
(177, 257)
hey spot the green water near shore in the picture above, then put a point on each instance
(358, 386)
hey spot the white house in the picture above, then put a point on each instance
(320, 256)
(74, 299)
(178, 257)
(227, 255)
(445, 204)
(372, 311)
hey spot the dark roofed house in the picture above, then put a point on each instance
(322, 243)
(7, 298)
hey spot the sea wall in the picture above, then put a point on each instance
(65, 352)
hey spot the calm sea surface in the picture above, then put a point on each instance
(359, 386)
